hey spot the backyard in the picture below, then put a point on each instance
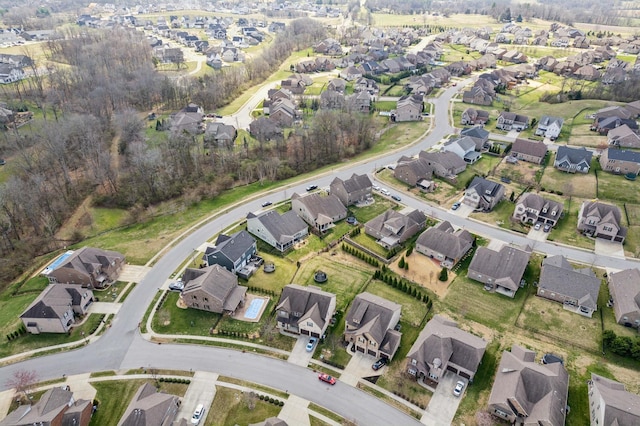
(233, 407)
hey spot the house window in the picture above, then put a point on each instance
(500, 413)
(414, 362)
(195, 305)
(309, 324)
(194, 297)
(373, 344)
(207, 307)
(553, 213)
(361, 339)
(607, 228)
(205, 299)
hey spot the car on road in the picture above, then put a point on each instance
(537, 226)
(312, 187)
(457, 391)
(311, 344)
(455, 205)
(375, 188)
(396, 197)
(547, 227)
(385, 191)
(197, 415)
(177, 286)
(327, 378)
(379, 364)
(266, 204)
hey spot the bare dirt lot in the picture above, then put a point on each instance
(522, 172)
(424, 271)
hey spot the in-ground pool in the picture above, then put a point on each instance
(254, 309)
(57, 262)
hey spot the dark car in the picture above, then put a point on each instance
(2, 162)
(312, 187)
(379, 364)
(552, 359)
(327, 378)
(266, 204)
(352, 220)
(396, 197)
(455, 206)
(547, 227)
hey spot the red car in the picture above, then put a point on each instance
(327, 378)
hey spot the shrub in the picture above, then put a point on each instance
(261, 397)
(444, 275)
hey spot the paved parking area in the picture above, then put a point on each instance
(609, 248)
(133, 273)
(299, 355)
(538, 235)
(104, 308)
(495, 245)
(201, 390)
(463, 211)
(443, 405)
(359, 366)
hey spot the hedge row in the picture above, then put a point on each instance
(402, 285)
(174, 380)
(19, 332)
(270, 400)
(360, 255)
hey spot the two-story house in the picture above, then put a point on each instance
(445, 164)
(88, 267)
(57, 406)
(483, 194)
(611, 404)
(353, 190)
(532, 208)
(393, 228)
(305, 310)
(318, 211)
(55, 309)
(601, 220)
(442, 242)
(623, 137)
(412, 171)
(549, 127)
(530, 151)
(233, 252)
(479, 135)
(474, 117)
(620, 161)
(464, 147)
(370, 323)
(150, 404)
(501, 271)
(212, 289)
(281, 232)
(573, 160)
(624, 288)
(408, 108)
(512, 121)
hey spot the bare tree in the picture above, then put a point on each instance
(22, 381)
(250, 399)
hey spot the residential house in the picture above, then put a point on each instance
(620, 161)
(57, 406)
(330, 99)
(412, 171)
(220, 134)
(611, 404)
(533, 208)
(360, 101)
(370, 323)
(501, 271)
(604, 125)
(55, 309)
(408, 108)
(526, 392)
(512, 121)
(445, 164)
(393, 228)
(474, 117)
(464, 147)
(576, 289)
(321, 212)
(573, 160)
(265, 130)
(443, 243)
(212, 289)
(305, 310)
(279, 231)
(619, 111)
(483, 194)
(232, 252)
(337, 84)
(351, 191)
(624, 288)
(363, 84)
(186, 122)
(549, 127)
(88, 266)
(442, 347)
(150, 407)
(530, 151)
(351, 73)
(601, 220)
(477, 95)
(623, 137)
(10, 73)
(587, 72)
(283, 112)
(479, 135)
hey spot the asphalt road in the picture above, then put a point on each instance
(122, 347)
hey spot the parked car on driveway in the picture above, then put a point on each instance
(327, 378)
(457, 391)
(455, 205)
(197, 415)
(547, 227)
(311, 344)
(379, 364)
(352, 220)
(177, 286)
(537, 226)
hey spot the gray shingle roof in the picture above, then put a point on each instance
(354, 183)
(373, 315)
(282, 227)
(54, 301)
(623, 155)
(475, 132)
(232, 246)
(622, 408)
(527, 147)
(484, 187)
(217, 282)
(574, 155)
(557, 275)
(51, 403)
(296, 298)
(625, 290)
(150, 408)
(442, 239)
(505, 266)
(317, 205)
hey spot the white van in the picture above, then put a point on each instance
(385, 191)
(197, 415)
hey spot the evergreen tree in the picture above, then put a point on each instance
(444, 275)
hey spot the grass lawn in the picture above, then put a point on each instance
(413, 311)
(500, 215)
(365, 214)
(311, 244)
(574, 184)
(384, 105)
(274, 281)
(230, 407)
(230, 324)
(616, 188)
(344, 279)
(482, 167)
(369, 242)
(114, 397)
(632, 241)
(565, 230)
(170, 319)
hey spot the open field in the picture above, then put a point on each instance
(523, 172)
(569, 184)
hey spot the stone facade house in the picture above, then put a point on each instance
(232, 252)
(305, 310)
(501, 271)
(353, 190)
(624, 288)
(88, 267)
(526, 392)
(601, 221)
(483, 194)
(611, 404)
(512, 121)
(573, 160)
(318, 211)
(150, 407)
(620, 161)
(57, 406)
(55, 309)
(474, 117)
(477, 95)
(412, 170)
(532, 208)
(530, 151)
(442, 347)
(279, 231)
(393, 228)
(212, 289)
(408, 108)
(576, 289)
(443, 243)
(370, 323)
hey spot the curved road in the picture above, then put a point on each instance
(122, 346)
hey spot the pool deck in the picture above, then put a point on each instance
(239, 314)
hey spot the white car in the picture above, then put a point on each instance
(197, 415)
(457, 391)
(385, 191)
(375, 188)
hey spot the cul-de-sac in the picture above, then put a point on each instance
(309, 213)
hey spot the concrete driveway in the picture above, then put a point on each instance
(443, 405)
(359, 366)
(463, 211)
(201, 390)
(538, 235)
(299, 355)
(133, 273)
(609, 248)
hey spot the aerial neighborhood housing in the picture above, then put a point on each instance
(442, 242)
(610, 403)
(279, 231)
(88, 267)
(393, 228)
(573, 160)
(320, 212)
(624, 288)
(500, 271)
(533, 208)
(305, 310)
(55, 310)
(212, 289)
(530, 151)
(232, 252)
(56, 406)
(483, 194)
(601, 220)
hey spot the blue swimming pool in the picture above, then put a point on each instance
(254, 309)
(57, 262)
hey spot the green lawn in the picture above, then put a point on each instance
(344, 280)
(365, 214)
(413, 311)
(231, 407)
(370, 243)
(170, 319)
(285, 270)
(617, 189)
(384, 105)
(500, 215)
(483, 167)
(569, 184)
(114, 396)
(566, 231)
